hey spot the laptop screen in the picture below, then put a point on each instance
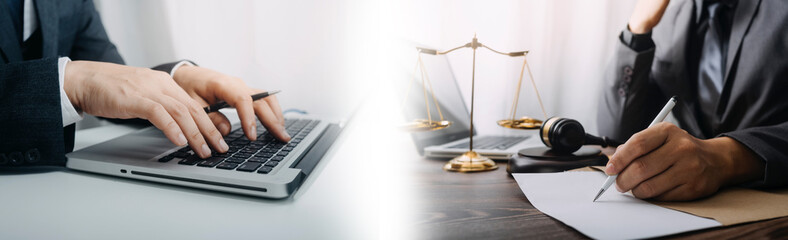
(449, 98)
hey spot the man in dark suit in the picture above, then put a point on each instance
(57, 61)
(726, 61)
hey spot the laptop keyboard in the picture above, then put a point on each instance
(491, 142)
(261, 155)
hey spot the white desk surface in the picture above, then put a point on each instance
(344, 198)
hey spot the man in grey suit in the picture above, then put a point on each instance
(57, 61)
(727, 62)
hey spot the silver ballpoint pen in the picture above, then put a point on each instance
(660, 117)
(222, 104)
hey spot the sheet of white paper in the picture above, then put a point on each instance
(567, 197)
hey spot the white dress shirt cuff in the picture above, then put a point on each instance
(69, 113)
(181, 63)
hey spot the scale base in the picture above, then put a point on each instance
(470, 162)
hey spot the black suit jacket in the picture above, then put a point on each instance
(753, 105)
(31, 127)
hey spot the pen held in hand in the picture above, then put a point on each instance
(222, 104)
(660, 117)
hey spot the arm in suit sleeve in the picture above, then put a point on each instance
(171, 67)
(91, 42)
(630, 97)
(768, 143)
(31, 131)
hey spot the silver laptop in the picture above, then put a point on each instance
(454, 140)
(265, 167)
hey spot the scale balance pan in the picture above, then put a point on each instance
(423, 125)
(522, 123)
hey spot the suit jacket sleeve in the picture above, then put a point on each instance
(168, 67)
(631, 97)
(32, 131)
(91, 41)
(768, 143)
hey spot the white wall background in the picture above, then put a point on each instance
(312, 50)
(327, 55)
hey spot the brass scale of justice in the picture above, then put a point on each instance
(471, 161)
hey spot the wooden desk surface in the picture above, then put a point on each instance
(490, 205)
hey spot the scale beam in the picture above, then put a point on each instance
(471, 161)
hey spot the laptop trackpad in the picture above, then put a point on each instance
(144, 144)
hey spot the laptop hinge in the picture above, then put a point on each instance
(308, 162)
